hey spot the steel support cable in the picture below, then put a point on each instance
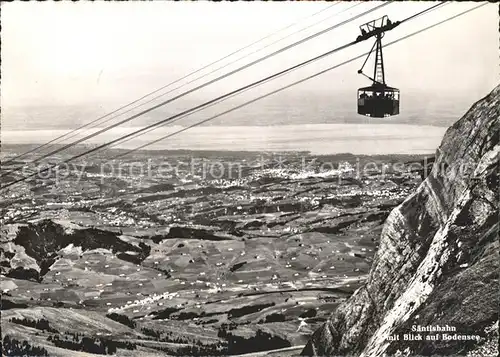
(258, 50)
(200, 86)
(247, 103)
(205, 75)
(188, 111)
(95, 121)
(367, 57)
(293, 84)
(432, 8)
(407, 19)
(424, 11)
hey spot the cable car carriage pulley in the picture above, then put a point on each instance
(378, 100)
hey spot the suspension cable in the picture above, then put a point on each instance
(252, 101)
(207, 74)
(423, 12)
(432, 8)
(258, 50)
(69, 135)
(202, 85)
(200, 106)
(290, 85)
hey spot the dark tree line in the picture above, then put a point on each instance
(6, 304)
(124, 320)
(12, 347)
(217, 349)
(41, 324)
(213, 350)
(225, 327)
(195, 348)
(165, 336)
(151, 333)
(262, 341)
(91, 345)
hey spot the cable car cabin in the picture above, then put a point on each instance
(378, 101)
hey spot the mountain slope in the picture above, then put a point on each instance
(437, 263)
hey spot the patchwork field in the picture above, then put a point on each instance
(189, 262)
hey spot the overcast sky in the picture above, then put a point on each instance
(105, 54)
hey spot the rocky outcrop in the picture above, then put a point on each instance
(437, 263)
(27, 251)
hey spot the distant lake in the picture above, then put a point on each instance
(322, 123)
(282, 109)
(319, 139)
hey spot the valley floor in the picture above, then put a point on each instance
(225, 253)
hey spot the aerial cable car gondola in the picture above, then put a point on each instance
(377, 100)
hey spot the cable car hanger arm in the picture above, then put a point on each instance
(370, 29)
(374, 31)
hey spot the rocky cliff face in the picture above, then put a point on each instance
(437, 263)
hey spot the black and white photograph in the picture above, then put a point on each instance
(249, 178)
